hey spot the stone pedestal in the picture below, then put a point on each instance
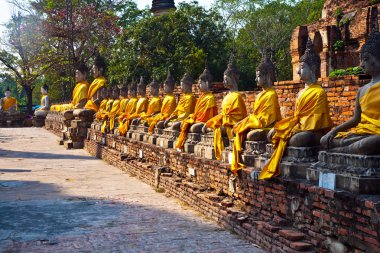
(168, 138)
(56, 123)
(75, 135)
(138, 132)
(191, 141)
(296, 160)
(38, 121)
(152, 138)
(205, 148)
(355, 173)
(12, 119)
(252, 152)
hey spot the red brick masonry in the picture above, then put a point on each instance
(281, 215)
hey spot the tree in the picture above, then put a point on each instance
(180, 41)
(25, 55)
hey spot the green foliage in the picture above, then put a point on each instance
(180, 41)
(338, 45)
(374, 1)
(338, 13)
(347, 72)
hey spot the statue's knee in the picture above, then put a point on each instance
(68, 115)
(176, 126)
(196, 128)
(161, 124)
(366, 146)
(305, 139)
(257, 135)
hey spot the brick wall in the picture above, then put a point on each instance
(281, 215)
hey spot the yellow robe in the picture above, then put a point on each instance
(97, 84)
(129, 110)
(123, 104)
(370, 116)
(168, 106)
(41, 102)
(266, 111)
(154, 106)
(205, 109)
(9, 102)
(233, 110)
(111, 115)
(311, 114)
(102, 109)
(80, 92)
(185, 107)
(141, 107)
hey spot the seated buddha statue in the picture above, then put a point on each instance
(205, 109)
(141, 105)
(266, 112)
(154, 106)
(45, 103)
(111, 114)
(80, 92)
(123, 97)
(363, 137)
(94, 97)
(104, 104)
(8, 103)
(311, 118)
(169, 104)
(130, 108)
(185, 106)
(233, 110)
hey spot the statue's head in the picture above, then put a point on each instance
(370, 55)
(7, 92)
(100, 66)
(154, 88)
(205, 80)
(81, 73)
(169, 84)
(123, 90)
(141, 87)
(265, 73)
(187, 83)
(231, 75)
(104, 92)
(115, 92)
(133, 89)
(310, 64)
(44, 89)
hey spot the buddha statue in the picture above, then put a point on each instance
(8, 103)
(123, 96)
(141, 105)
(361, 134)
(266, 112)
(109, 119)
(130, 108)
(185, 106)
(105, 93)
(154, 106)
(45, 103)
(205, 109)
(94, 97)
(233, 110)
(80, 92)
(311, 118)
(169, 104)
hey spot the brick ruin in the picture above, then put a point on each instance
(338, 35)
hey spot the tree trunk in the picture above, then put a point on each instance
(29, 95)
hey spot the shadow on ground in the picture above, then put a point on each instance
(40, 155)
(63, 223)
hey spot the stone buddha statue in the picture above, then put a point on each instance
(311, 118)
(94, 91)
(266, 112)
(363, 137)
(233, 110)
(123, 96)
(111, 114)
(79, 95)
(141, 105)
(169, 104)
(154, 106)
(205, 109)
(130, 108)
(185, 106)
(105, 93)
(8, 103)
(45, 103)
